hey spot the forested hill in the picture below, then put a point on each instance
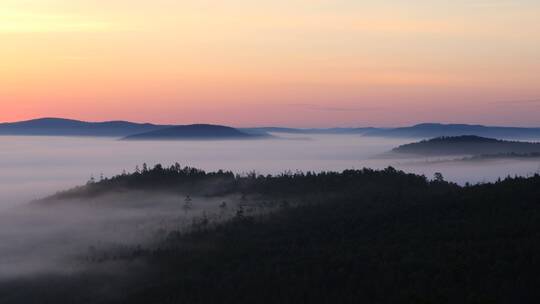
(197, 131)
(199, 182)
(431, 130)
(360, 236)
(467, 145)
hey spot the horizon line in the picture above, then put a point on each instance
(264, 126)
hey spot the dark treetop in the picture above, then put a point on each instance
(359, 236)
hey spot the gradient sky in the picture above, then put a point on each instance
(304, 63)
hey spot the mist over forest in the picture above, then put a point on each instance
(48, 164)
(168, 233)
(85, 211)
(271, 151)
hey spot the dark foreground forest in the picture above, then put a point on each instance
(360, 236)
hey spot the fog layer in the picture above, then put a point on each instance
(42, 238)
(33, 167)
(58, 237)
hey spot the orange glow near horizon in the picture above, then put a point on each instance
(303, 63)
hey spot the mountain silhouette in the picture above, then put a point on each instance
(70, 127)
(121, 129)
(196, 131)
(467, 145)
(430, 130)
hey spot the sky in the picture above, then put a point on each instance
(299, 63)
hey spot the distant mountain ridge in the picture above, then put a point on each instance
(467, 145)
(431, 130)
(197, 131)
(121, 129)
(424, 131)
(70, 127)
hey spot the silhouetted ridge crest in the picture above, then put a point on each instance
(431, 130)
(68, 127)
(195, 131)
(467, 145)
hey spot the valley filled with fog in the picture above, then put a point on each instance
(42, 239)
(34, 167)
